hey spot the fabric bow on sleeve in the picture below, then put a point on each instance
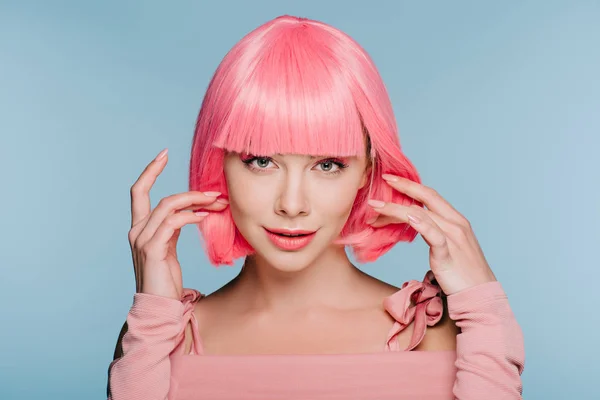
(418, 301)
(189, 297)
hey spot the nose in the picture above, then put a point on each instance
(292, 198)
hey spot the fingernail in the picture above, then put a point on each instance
(371, 220)
(223, 200)
(389, 177)
(201, 213)
(376, 203)
(413, 218)
(212, 194)
(162, 154)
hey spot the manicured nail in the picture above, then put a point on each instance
(162, 154)
(212, 194)
(376, 203)
(413, 218)
(223, 201)
(371, 220)
(201, 213)
(390, 178)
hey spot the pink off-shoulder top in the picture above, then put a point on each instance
(487, 364)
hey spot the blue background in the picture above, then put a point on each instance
(497, 103)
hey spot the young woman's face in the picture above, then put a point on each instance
(292, 192)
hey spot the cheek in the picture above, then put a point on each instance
(338, 202)
(245, 198)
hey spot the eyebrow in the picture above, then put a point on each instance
(311, 157)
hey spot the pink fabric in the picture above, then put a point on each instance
(487, 363)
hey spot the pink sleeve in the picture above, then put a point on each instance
(154, 328)
(490, 349)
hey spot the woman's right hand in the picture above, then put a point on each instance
(154, 233)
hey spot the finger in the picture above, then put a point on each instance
(175, 203)
(427, 226)
(393, 213)
(383, 220)
(157, 246)
(140, 191)
(219, 205)
(431, 233)
(426, 195)
(433, 236)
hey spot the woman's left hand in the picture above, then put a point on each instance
(455, 257)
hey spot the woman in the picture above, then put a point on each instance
(295, 156)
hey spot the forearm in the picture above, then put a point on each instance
(144, 369)
(490, 349)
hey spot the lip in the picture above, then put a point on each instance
(290, 231)
(290, 243)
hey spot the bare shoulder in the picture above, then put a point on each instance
(205, 308)
(188, 338)
(441, 336)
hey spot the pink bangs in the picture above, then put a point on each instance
(287, 93)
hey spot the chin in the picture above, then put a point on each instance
(288, 261)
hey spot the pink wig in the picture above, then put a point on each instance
(299, 86)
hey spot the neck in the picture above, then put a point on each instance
(331, 281)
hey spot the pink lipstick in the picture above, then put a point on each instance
(290, 240)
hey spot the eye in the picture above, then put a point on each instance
(328, 165)
(262, 162)
(332, 163)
